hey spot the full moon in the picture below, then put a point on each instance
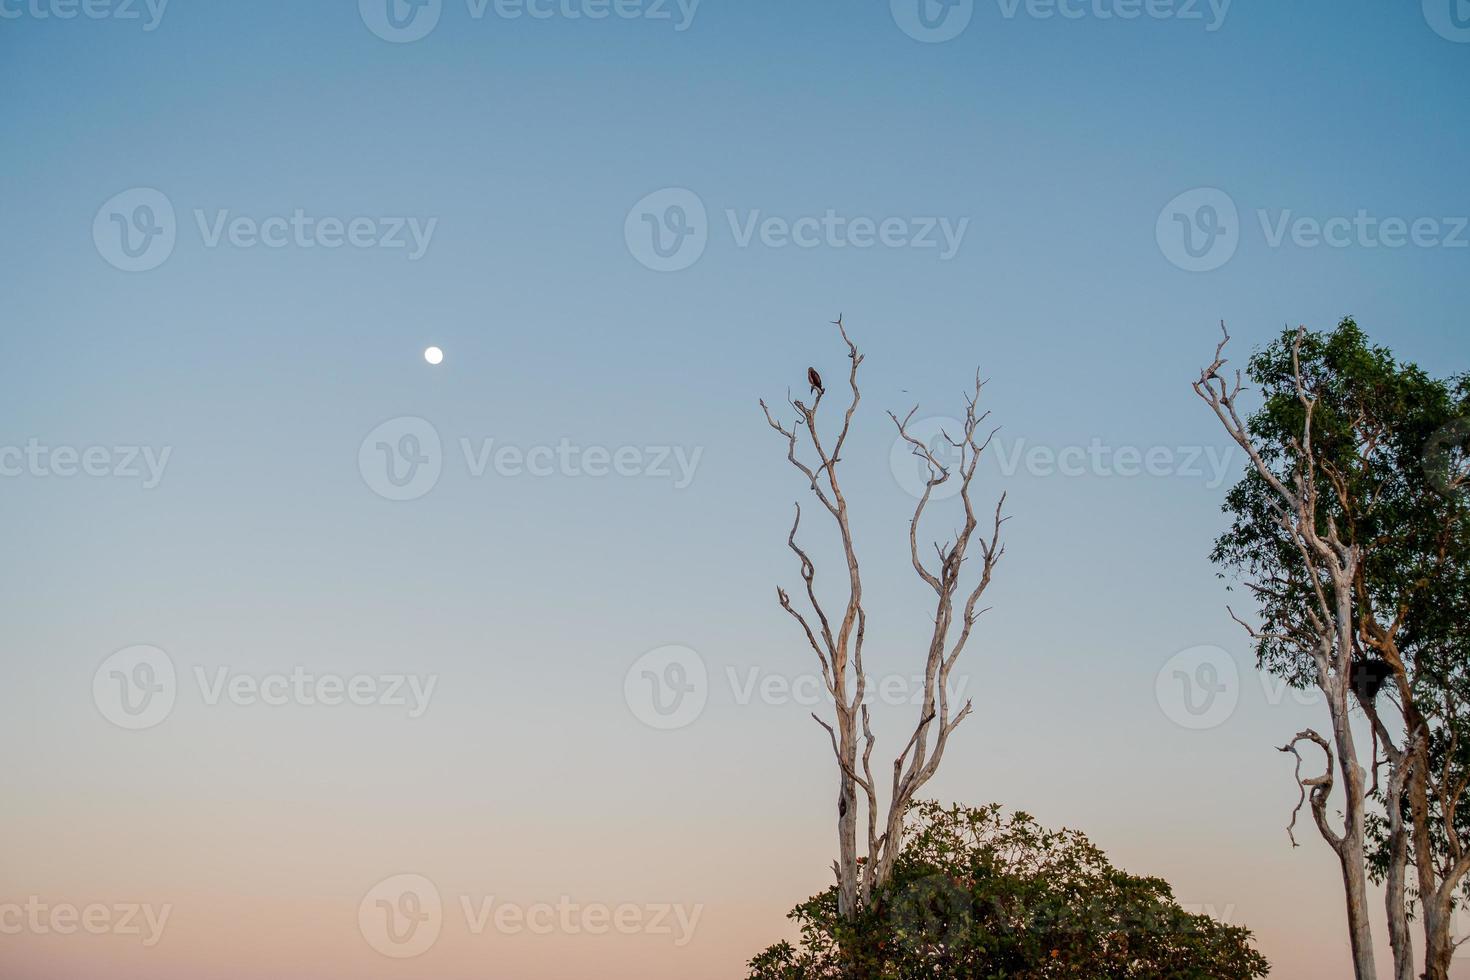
(433, 355)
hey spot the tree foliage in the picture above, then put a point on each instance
(1388, 465)
(1390, 442)
(978, 894)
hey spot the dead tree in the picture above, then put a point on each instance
(836, 638)
(1332, 566)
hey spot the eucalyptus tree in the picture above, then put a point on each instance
(1350, 531)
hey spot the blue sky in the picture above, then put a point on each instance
(1055, 142)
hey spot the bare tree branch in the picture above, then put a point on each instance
(837, 638)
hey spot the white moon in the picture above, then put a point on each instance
(433, 355)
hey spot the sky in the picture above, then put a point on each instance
(322, 660)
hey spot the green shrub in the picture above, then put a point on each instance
(979, 895)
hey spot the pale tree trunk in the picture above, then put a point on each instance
(860, 871)
(847, 867)
(1406, 767)
(1395, 898)
(1400, 940)
(1352, 851)
(1437, 882)
(1438, 906)
(1354, 864)
(1437, 918)
(1348, 844)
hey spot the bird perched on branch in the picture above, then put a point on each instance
(816, 380)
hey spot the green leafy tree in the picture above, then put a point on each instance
(977, 894)
(1374, 449)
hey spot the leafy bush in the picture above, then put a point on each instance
(979, 895)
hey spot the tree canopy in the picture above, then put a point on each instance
(1390, 444)
(1377, 450)
(979, 894)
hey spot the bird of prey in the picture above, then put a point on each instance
(816, 380)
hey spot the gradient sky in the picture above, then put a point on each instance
(263, 548)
